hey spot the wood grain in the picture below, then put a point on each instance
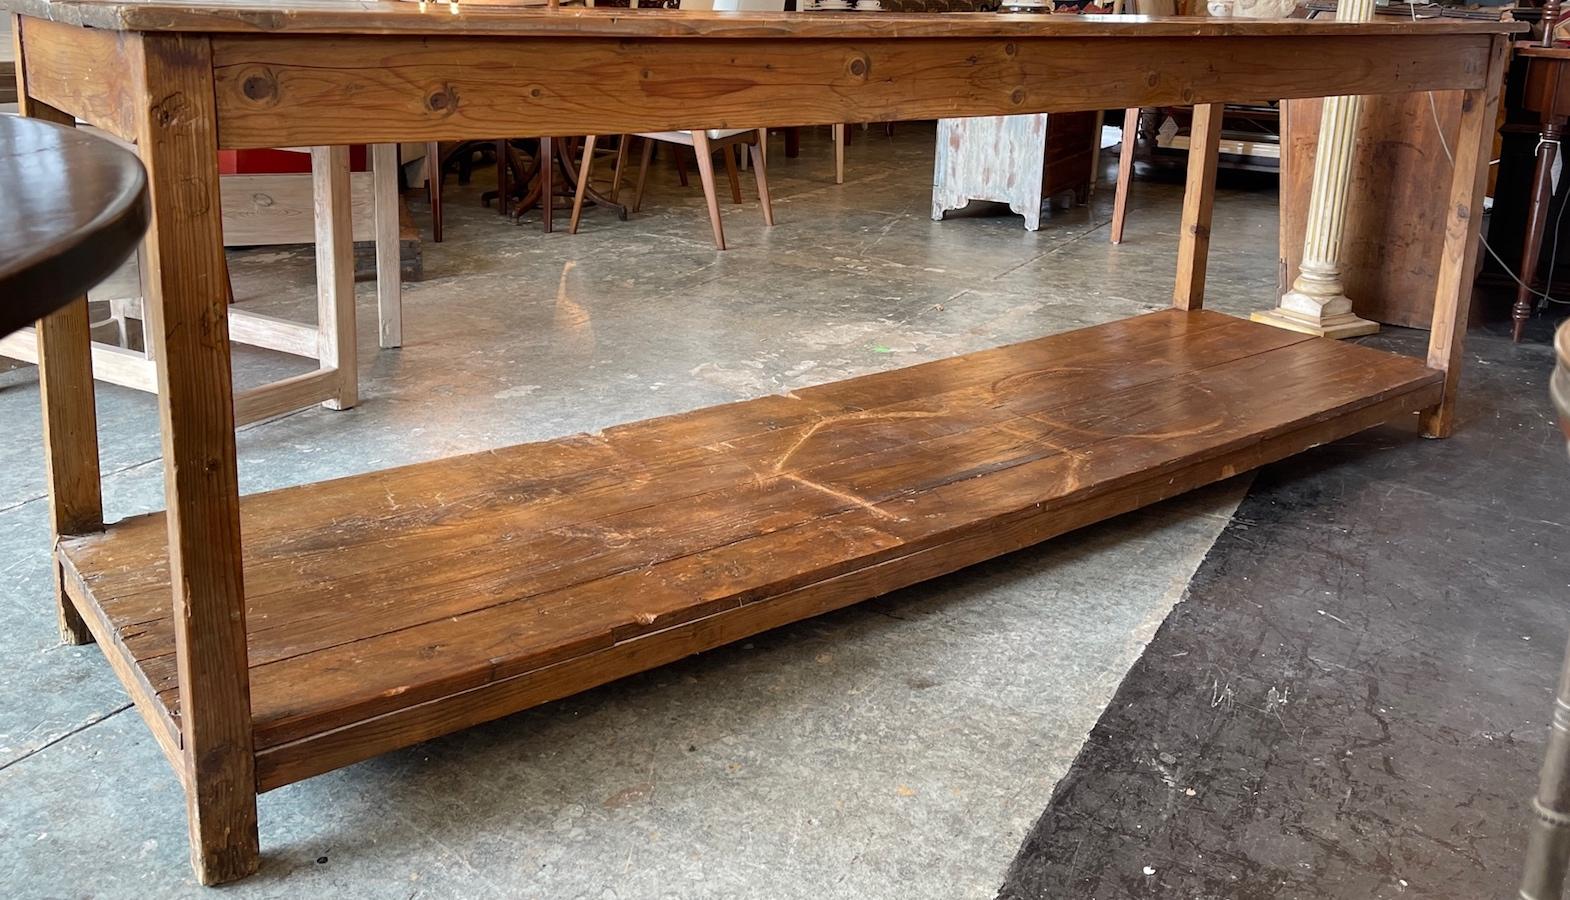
(188, 324)
(313, 755)
(84, 73)
(1463, 230)
(337, 89)
(1199, 200)
(1390, 258)
(552, 551)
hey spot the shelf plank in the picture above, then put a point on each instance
(380, 598)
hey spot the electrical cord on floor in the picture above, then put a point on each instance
(1553, 254)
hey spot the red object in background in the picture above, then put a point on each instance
(274, 162)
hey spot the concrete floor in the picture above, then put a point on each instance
(888, 750)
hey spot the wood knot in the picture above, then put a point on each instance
(1017, 96)
(444, 100)
(859, 66)
(260, 87)
(1151, 79)
(1010, 49)
(172, 111)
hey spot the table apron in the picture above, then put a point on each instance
(290, 90)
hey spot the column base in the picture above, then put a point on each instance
(1345, 325)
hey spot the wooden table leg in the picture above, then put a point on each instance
(65, 385)
(1536, 227)
(547, 180)
(433, 187)
(389, 257)
(1463, 226)
(335, 320)
(1199, 200)
(188, 321)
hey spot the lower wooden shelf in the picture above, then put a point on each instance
(392, 607)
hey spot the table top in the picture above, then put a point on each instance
(75, 207)
(399, 16)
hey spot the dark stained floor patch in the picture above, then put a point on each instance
(1352, 700)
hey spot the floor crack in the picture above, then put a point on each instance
(57, 739)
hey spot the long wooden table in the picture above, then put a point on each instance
(373, 612)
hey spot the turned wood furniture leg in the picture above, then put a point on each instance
(189, 324)
(643, 174)
(1536, 227)
(1199, 200)
(583, 182)
(759, 164)
(700, 143)
(389, 263)
(335, 320)
(433, 187)
(839, 152)
(1125, 172)
(65, 386)
(728, 153)
(1463, 227)
(548, 181)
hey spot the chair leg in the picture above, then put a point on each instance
(1125, 172)
(622, 144)
(547, 180)
(583, 182)
(643, 173)
(389, 261)
(839, 153)
(729, 154)
(433, 187)
(700, 143)
(681, 164)
(759, 164)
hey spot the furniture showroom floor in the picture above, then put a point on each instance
(902, 748)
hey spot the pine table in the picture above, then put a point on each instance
(276, 636)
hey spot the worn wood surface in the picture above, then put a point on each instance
(1018, 160)
(310, 90)
(1463, 226)
(82, 72)
(188, 325)
(1390, 258)
(548, 552)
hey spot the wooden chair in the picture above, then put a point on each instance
(705, 144)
